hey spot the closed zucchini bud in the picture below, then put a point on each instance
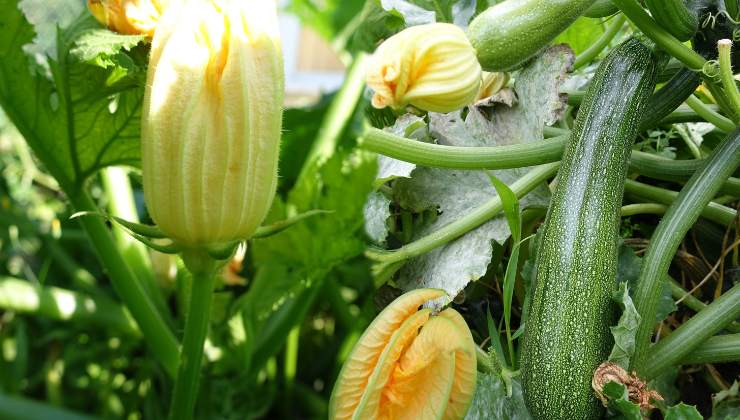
(432, 67)
(408, 364)
(131, 17)
(211, 120)
(492, 83)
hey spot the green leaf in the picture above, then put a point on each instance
(683, 412)
(75, 121)
(619, 401)
(496, 349)
(492, 402)
(511, 207)
(626, 329)
(726, 403)
(104, 48)
(451, 194)
(581, 34)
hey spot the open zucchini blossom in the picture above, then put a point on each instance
(409, 364)
(211, 120)
(432, 67)
(131, 17)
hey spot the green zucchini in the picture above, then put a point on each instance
(670, 96)
(600, 9)
(674, 17)
(567, 334)
(509, 33)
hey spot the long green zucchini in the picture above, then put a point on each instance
(567, 333)
(509, 33)
(675, 17)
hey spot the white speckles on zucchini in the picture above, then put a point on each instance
(567, 334)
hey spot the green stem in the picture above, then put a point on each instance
(695, 304)
(121, 204)
(725, 71)
(723, 103)
(336, 119)
(711, 210)
(709, 115)
(634, 11)
(185, 393)
(691, 334)
(643, 208)
(461, 157)
(158, 336)
(681, 215)
(717, 349)
(517, 156)
(470, 221)
(601, 43)
(64, 305)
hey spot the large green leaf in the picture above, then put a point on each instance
(76, 110)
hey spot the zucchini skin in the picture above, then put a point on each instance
(674, 17)
(509, 33)
(567, 334)
(670, 96)
(600, 9)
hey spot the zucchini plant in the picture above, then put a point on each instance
(369, 209)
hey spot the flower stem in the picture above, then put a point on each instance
(158, 336)
(681, 215)
(724, 47)
(466, 223)
(203, 269)
(601, 43)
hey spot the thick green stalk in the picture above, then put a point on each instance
(197, 320)
(691, 334)
(158, 336)
(466, 223)
(718, 349)
(18, 408)
(601, 43)
(518, 155)
(681, 215)
(121, 204)
(634, 11)
(711, 211)
(461, 157)
(709, 115)
(64, 305)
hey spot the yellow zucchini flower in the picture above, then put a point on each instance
(492, 83)
(211, 120)
(432, 67)
(131, 17)
(409, 364)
